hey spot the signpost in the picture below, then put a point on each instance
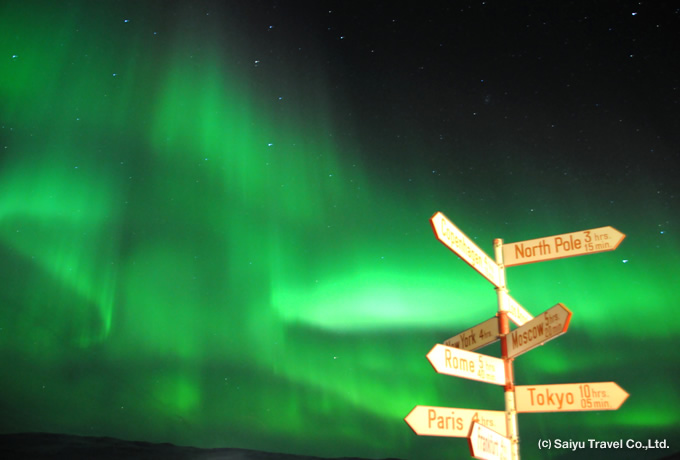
(466, 364)
(551, 324)
(559, 246)
(476, 337)
(452, 422)
(569, 397)
(493, 435)
(465, 248)
(486, 444)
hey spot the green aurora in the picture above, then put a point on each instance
(198, 249)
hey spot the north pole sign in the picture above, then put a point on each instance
(559, 246)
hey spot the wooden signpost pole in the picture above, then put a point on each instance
(504, 330)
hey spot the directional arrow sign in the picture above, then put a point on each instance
(486, 444)
(463, 246)
(569, 397)
(516, 313)
(476, 337)
(452, 422)
(553, 323)
(466, 364)
(559, 246)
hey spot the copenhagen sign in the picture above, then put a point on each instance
(465, 248)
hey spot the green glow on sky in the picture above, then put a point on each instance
(190, 259)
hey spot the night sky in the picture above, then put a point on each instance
(214, 216)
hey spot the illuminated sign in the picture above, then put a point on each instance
(467, 364)
(463, 246)
(559, 246)
(547, 326)
(486, 444)
(516, 313)
(476, 337)
(568, 397)
(452, 422)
